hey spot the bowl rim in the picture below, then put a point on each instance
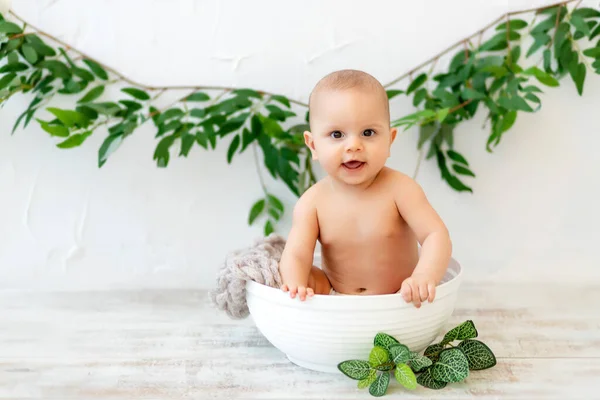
(276, 295)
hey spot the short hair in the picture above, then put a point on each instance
(347, 79)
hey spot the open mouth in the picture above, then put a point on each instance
(353, 165)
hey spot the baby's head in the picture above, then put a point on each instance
(350, 133)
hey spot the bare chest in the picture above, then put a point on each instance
(359, 222)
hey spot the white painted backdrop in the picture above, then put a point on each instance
(65, 224)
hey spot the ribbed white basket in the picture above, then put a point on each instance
(324, 330)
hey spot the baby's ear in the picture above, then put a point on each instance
(308, 139)
(393, 133)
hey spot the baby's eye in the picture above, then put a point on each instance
(336, 134)
(368, 132)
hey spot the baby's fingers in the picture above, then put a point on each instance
(406, 291)
(431, 288)
(310, 292)
(302, 293)
(293, 291)
(423, 292)
(285, 287)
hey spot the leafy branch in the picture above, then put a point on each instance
(441, 363)
(490, 75)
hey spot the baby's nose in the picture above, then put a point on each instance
(353, 144)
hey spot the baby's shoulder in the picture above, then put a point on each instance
(309, 199)
(394, 178)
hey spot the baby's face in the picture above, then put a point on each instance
(351, 135)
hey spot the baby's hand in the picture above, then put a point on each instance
(302, 291)
(417, 289)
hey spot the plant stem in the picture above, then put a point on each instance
(258, 170)
(485, 28)
(131, 81)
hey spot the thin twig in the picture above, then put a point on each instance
(488, 26)
(258, 170)
(401, 77)
(131, 81)
(418, 166)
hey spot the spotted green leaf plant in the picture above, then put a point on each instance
(442, 363)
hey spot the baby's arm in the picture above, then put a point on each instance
(432, 234)
(297, 257)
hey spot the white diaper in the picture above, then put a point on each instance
(334, 293)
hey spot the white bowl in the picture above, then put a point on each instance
(325, 330)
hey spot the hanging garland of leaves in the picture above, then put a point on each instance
(489, 75)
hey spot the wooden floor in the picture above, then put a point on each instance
(173, 345)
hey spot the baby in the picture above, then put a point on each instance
(368, 218)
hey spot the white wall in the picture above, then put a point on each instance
(66, 224)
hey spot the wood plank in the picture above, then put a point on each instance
(248, 375)
(149, 344)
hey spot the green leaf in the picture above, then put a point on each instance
(40, 47)
(426, 379)
(577, 72)
(169, 114)
(275, 202)
(110, 144)
(418, 362)
(457, 157)
(9, 27)
(136, 93)
(469, 93)
(187, 142)
(532, 89)
(281, 99)
(426, 132)
(161, 154)
(513, 24)
(29, 53)
(70, 118)
(268, 228)
(544, 26)
(96, 69)
(255, 211)
(248, 93)
(433, 351)
(459, 169)
(384, 340)
(593, 52)
(399, 353)
(235, 143)
(442, 114)
(466, 330)
(56, 68)
(379, 387)
(478, 354)
(452, 180)
(14, 67)
(540, 39)
(54, 130)
(579, 23)
(198, 96)
(379, 355)
(451, 367)
(586, 12)
(535, 99)
(541, 76)
(518, 103)
(74, 140)
(595, 32)
(7, 79)
(363, 383)
(416, 83)
(83, 74)
(405, 376)
(92, 95)
(393, 93)
(515, 54)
